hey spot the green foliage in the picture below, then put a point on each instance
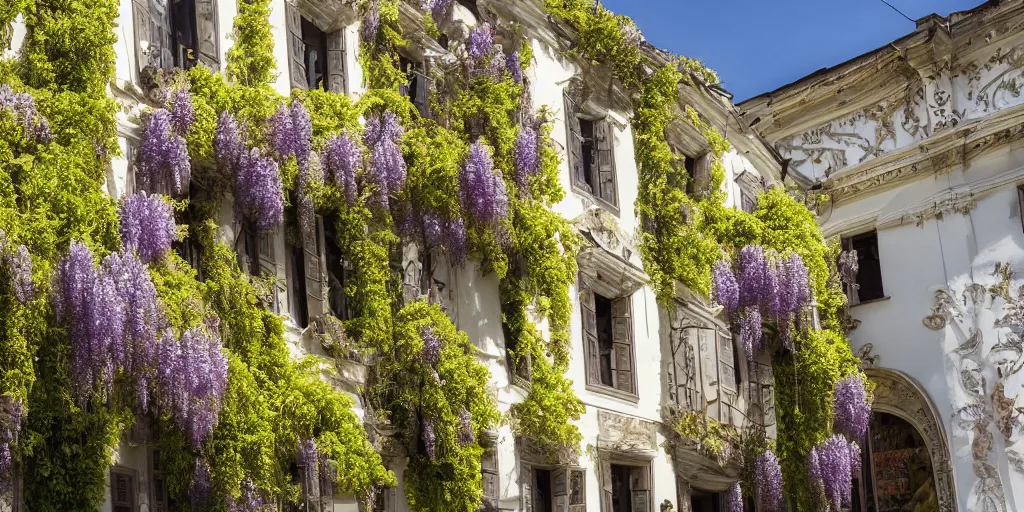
(601, 36)
(804, 383)
(413, 392)
(251, 58)
(710, 436)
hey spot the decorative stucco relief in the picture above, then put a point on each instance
(993, 84)
(981, 322)
(859, 137)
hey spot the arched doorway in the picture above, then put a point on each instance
(896, 470)
(906, 464)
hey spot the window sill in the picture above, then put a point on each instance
(597, 200)
(613, 393)
(872, 301)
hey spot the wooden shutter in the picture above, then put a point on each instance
(605, 477)
(122, 491)
(702, 175)
(206, 34)
(726, 362)
(296, 48)
(591, 344)
(160, 31)
(336, 62)
(622, 344)
(143, 28)
(573, 141)
(267, 264)
(605, 162)
(639, 486)
(421, 93)
(489, 473)
(748, 202)
(528, 486)
(577, 490)
(158, 501)
(314, 256)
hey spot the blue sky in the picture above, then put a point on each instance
(759, 45)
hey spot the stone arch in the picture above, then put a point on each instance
(898, 394)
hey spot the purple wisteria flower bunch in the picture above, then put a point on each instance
(371, 21)
(199, 490)
(228, 144)
(484, 195)
(832, 465)
(183, 112)
(438, 8)
(11, 415)
(768, 482)
(448, 234)
(309, 459)
(291, 132)
(758, 288)
(514, 64)
(251, 500)
(851, 411)
(16, 265)
(342, 160)
(22, 107)
(163, 156)
(527, 157)
(431, 346)
(382, 137)
(193, 377)
(258, 195)
(734, 498)
(485, 57)
(137, 350)
(147, 226)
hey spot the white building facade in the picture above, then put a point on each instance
(633, 361)
(912, 155)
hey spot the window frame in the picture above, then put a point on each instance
(133, 487)
(603, 152)
(853, 295)
(590, 337)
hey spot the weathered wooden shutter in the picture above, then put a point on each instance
(489, 473)
(573, 141)
(267, 259)
(726, 361)
(605, 161)
(605, 476)
(622, 344)
(640, 486)
(296, 48)
(313, 262)
(158, 484)
(592, 345)
(122, 491)
(421, 94)
(336, 74)
(528, 486)
(206, 34)
(143, 28)
(702, 175)
(578, 490)
(161, 33)
(748, 201)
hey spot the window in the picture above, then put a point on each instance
(551, 489)
(728, 362)
(190, 249)
(869, 275)
(701, 501)
(690, 164)
(625, 487)
(257, 258)
(306, 279)
(316, 59)
(418, 88)
(122, 490)
(748, 202)
(175, 33)
(590, 154)
(158, 500)
(608, 341)
(339, 273)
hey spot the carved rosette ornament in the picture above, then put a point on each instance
(981, 325)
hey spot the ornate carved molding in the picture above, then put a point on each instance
(899, 395)
(608, 259)
(626, 434)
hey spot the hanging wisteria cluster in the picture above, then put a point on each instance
(291, 132)
(768, 482)
(851, 411)
(137, 349)
(11, 415)
(16, 266)
(183, 112)
(484, 195)
(342, 158)
(734, 498)
(447, 234)
(147, 226)
(251, 500)
(258, 195)
(833, 464)
(163, 156)
(438, 8)
(22, 106)
(485, 57)
(431, 347)
(371, 21)
(756, 288)
(309, 460)
(527, 156)
(382, 136)
(228, 144)
(199, 490)
(192, 374)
